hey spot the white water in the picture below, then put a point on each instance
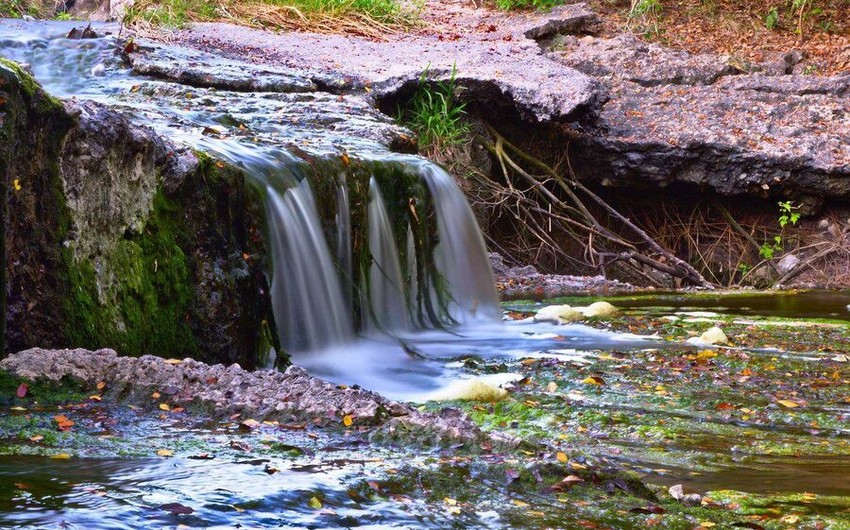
(389, 307)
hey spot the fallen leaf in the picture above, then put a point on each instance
(36, 438)
(790, 519)
(593, 380)
(22, 390)
(249, 424)
(101, 385)
(552, 386)
(155, 395)
(562, 457)
(315, 503)
(347, 420)
(165, 452)
(17, 184)
(173, 361)
(164, 406)
(788, 403)
(95, 398)
(61, 456)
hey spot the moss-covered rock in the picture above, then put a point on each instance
(117, 239)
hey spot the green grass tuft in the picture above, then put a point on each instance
(435, 114)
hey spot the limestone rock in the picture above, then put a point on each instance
(558, 314)
(600, 309)
(711, 337)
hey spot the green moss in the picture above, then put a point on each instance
(41, 391)
(144, 306)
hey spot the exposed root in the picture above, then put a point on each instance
(561, 216)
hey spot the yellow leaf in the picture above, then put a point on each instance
(790, 519)
(173, 361)
(17, 408)
(165, 452)
(101, 385)
(347, 420)
(707, 524)
(449, 501)
(315, 503)
(61, 456)
(788, 403)
(562, 457)
(575, 465)
(593, 380)
(705, 355)
(95, 398)
(520, 503)
(17, 184)
(164, 406)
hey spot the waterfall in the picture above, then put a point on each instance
(373, 244)
(389, 308)
(421, 261)
(307, 297)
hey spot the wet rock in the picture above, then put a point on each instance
(600, 310)
(712, 337)
(114, 235)
(291, 396)
(558, 314)
(199, 69)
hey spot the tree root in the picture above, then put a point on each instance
(554, 210)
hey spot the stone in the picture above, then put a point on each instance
(293, 395)
(600, 310)
(711, 337)
(469, 390)
(558, 314)
(788, 263)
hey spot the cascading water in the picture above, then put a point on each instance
(413, 263)
(379, 271)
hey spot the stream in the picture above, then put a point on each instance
(758, 427)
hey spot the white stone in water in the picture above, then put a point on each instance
(469, 390)
(710, 337)
(98, 70)
(600, 309)
(551, 313)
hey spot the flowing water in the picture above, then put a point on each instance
(418, 312)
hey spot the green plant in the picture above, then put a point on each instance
(802, 9)
(648, 13)
(63, 16)
(435, 114)
(771, 21)
(511, 5)
(788, 214)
